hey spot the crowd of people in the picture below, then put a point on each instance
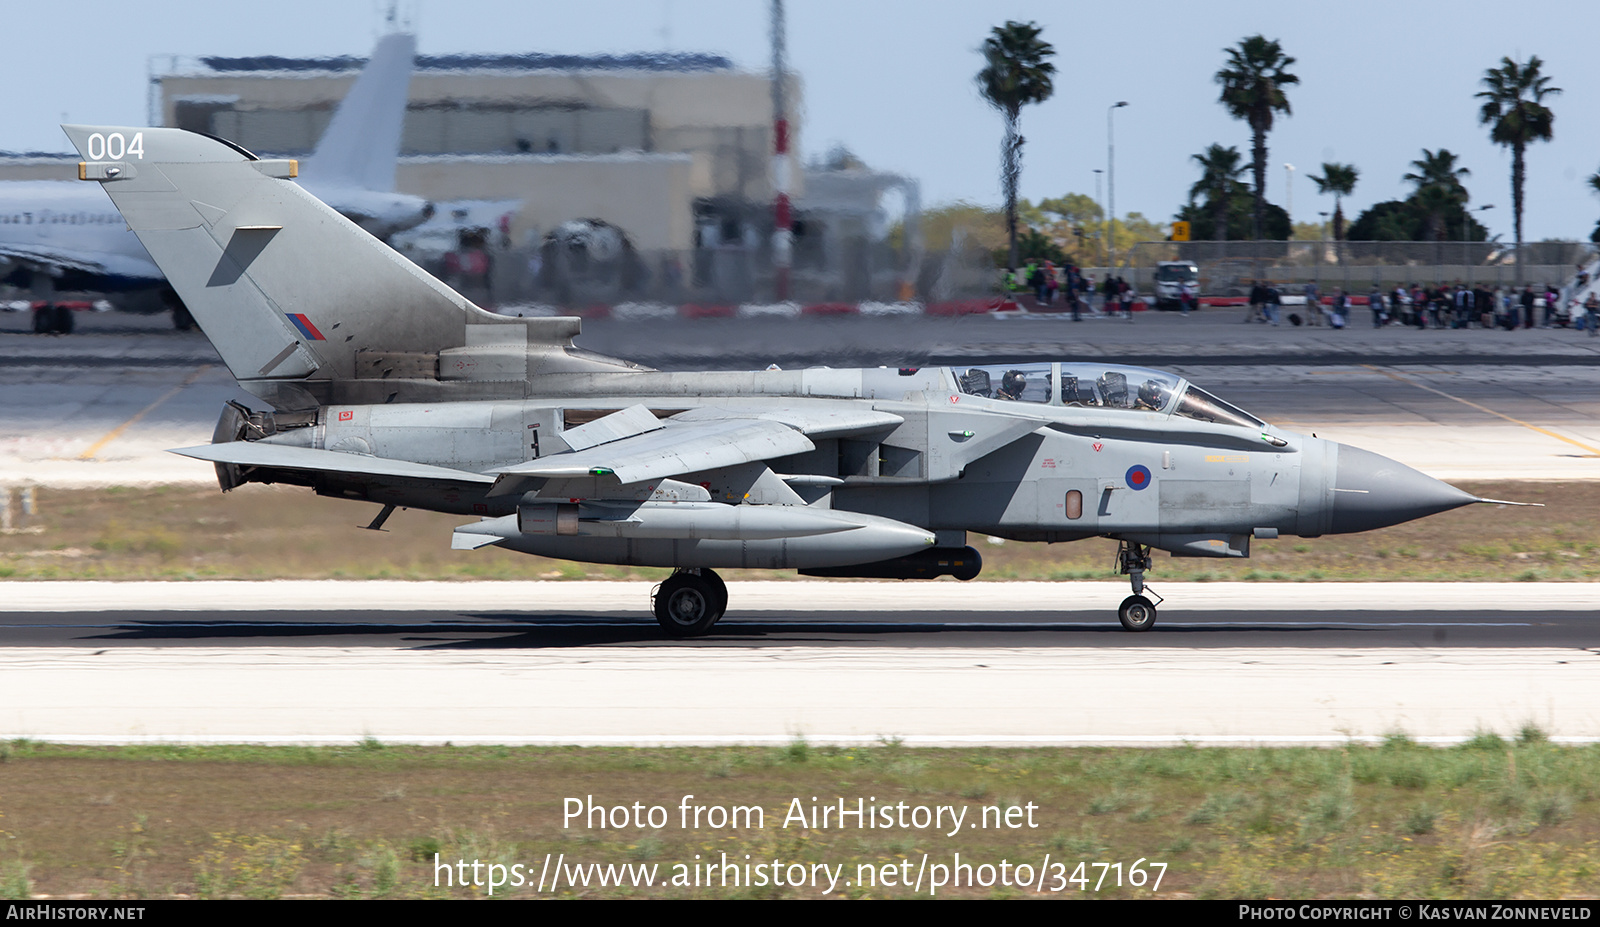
(1443, 306)
(1075, 290)
(1455, 306)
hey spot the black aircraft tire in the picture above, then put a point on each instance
(685, 605)
(719, 589)
(1137, 613)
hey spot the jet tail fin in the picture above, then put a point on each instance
(289, 290)
(361, 145)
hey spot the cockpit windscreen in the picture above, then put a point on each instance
(1201, 405)
(1103, 386)
(1117, 388)
(1017, 382)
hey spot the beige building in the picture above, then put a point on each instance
(665, 147)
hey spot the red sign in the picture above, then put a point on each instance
(346, 416)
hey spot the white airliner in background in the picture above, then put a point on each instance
(66, 236)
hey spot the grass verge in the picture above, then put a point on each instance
(1492, 818)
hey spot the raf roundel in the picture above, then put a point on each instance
(1138, 476)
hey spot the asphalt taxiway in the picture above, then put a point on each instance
(831, 662)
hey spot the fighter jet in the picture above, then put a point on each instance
(384, 385)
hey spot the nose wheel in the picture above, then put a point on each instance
(689, 602)
(1137, 612)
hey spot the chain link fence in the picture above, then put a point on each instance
(732, 275)
(573, 280)
(1228, 267)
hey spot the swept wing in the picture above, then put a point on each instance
(634, 446)
(317, 460)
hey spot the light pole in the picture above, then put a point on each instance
(1111, 180)
(1099, 201)
(1322, 249)
(782, 222)
(1288, 186)
(1466, 237)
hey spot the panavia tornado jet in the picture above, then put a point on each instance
(387, 386)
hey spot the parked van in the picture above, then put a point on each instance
(1176, 280)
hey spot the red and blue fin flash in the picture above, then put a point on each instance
(304, 324)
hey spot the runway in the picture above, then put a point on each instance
(931, 664)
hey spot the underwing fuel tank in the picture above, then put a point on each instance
(688, 520)
(698, 535)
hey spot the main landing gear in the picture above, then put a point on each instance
(1137, 613)
(690, 602)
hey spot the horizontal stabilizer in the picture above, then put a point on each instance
(281, 457)
(43, 256)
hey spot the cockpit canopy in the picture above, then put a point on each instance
(1101, 386)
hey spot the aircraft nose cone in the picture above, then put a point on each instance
(1372, 491)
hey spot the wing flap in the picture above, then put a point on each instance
(675, 449)
(634, 420)
(829, 420)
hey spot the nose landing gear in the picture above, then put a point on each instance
(1137, 613)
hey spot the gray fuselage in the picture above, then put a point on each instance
(955, 462)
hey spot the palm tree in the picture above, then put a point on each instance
(1252, 90)
(1439, 190)
(1219, 181)
(1594, 184)
(1513, 107)
(1016, 72)
(1340, 180)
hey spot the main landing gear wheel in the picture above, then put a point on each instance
(689, 603)
(1137, 613)
(718, 587)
